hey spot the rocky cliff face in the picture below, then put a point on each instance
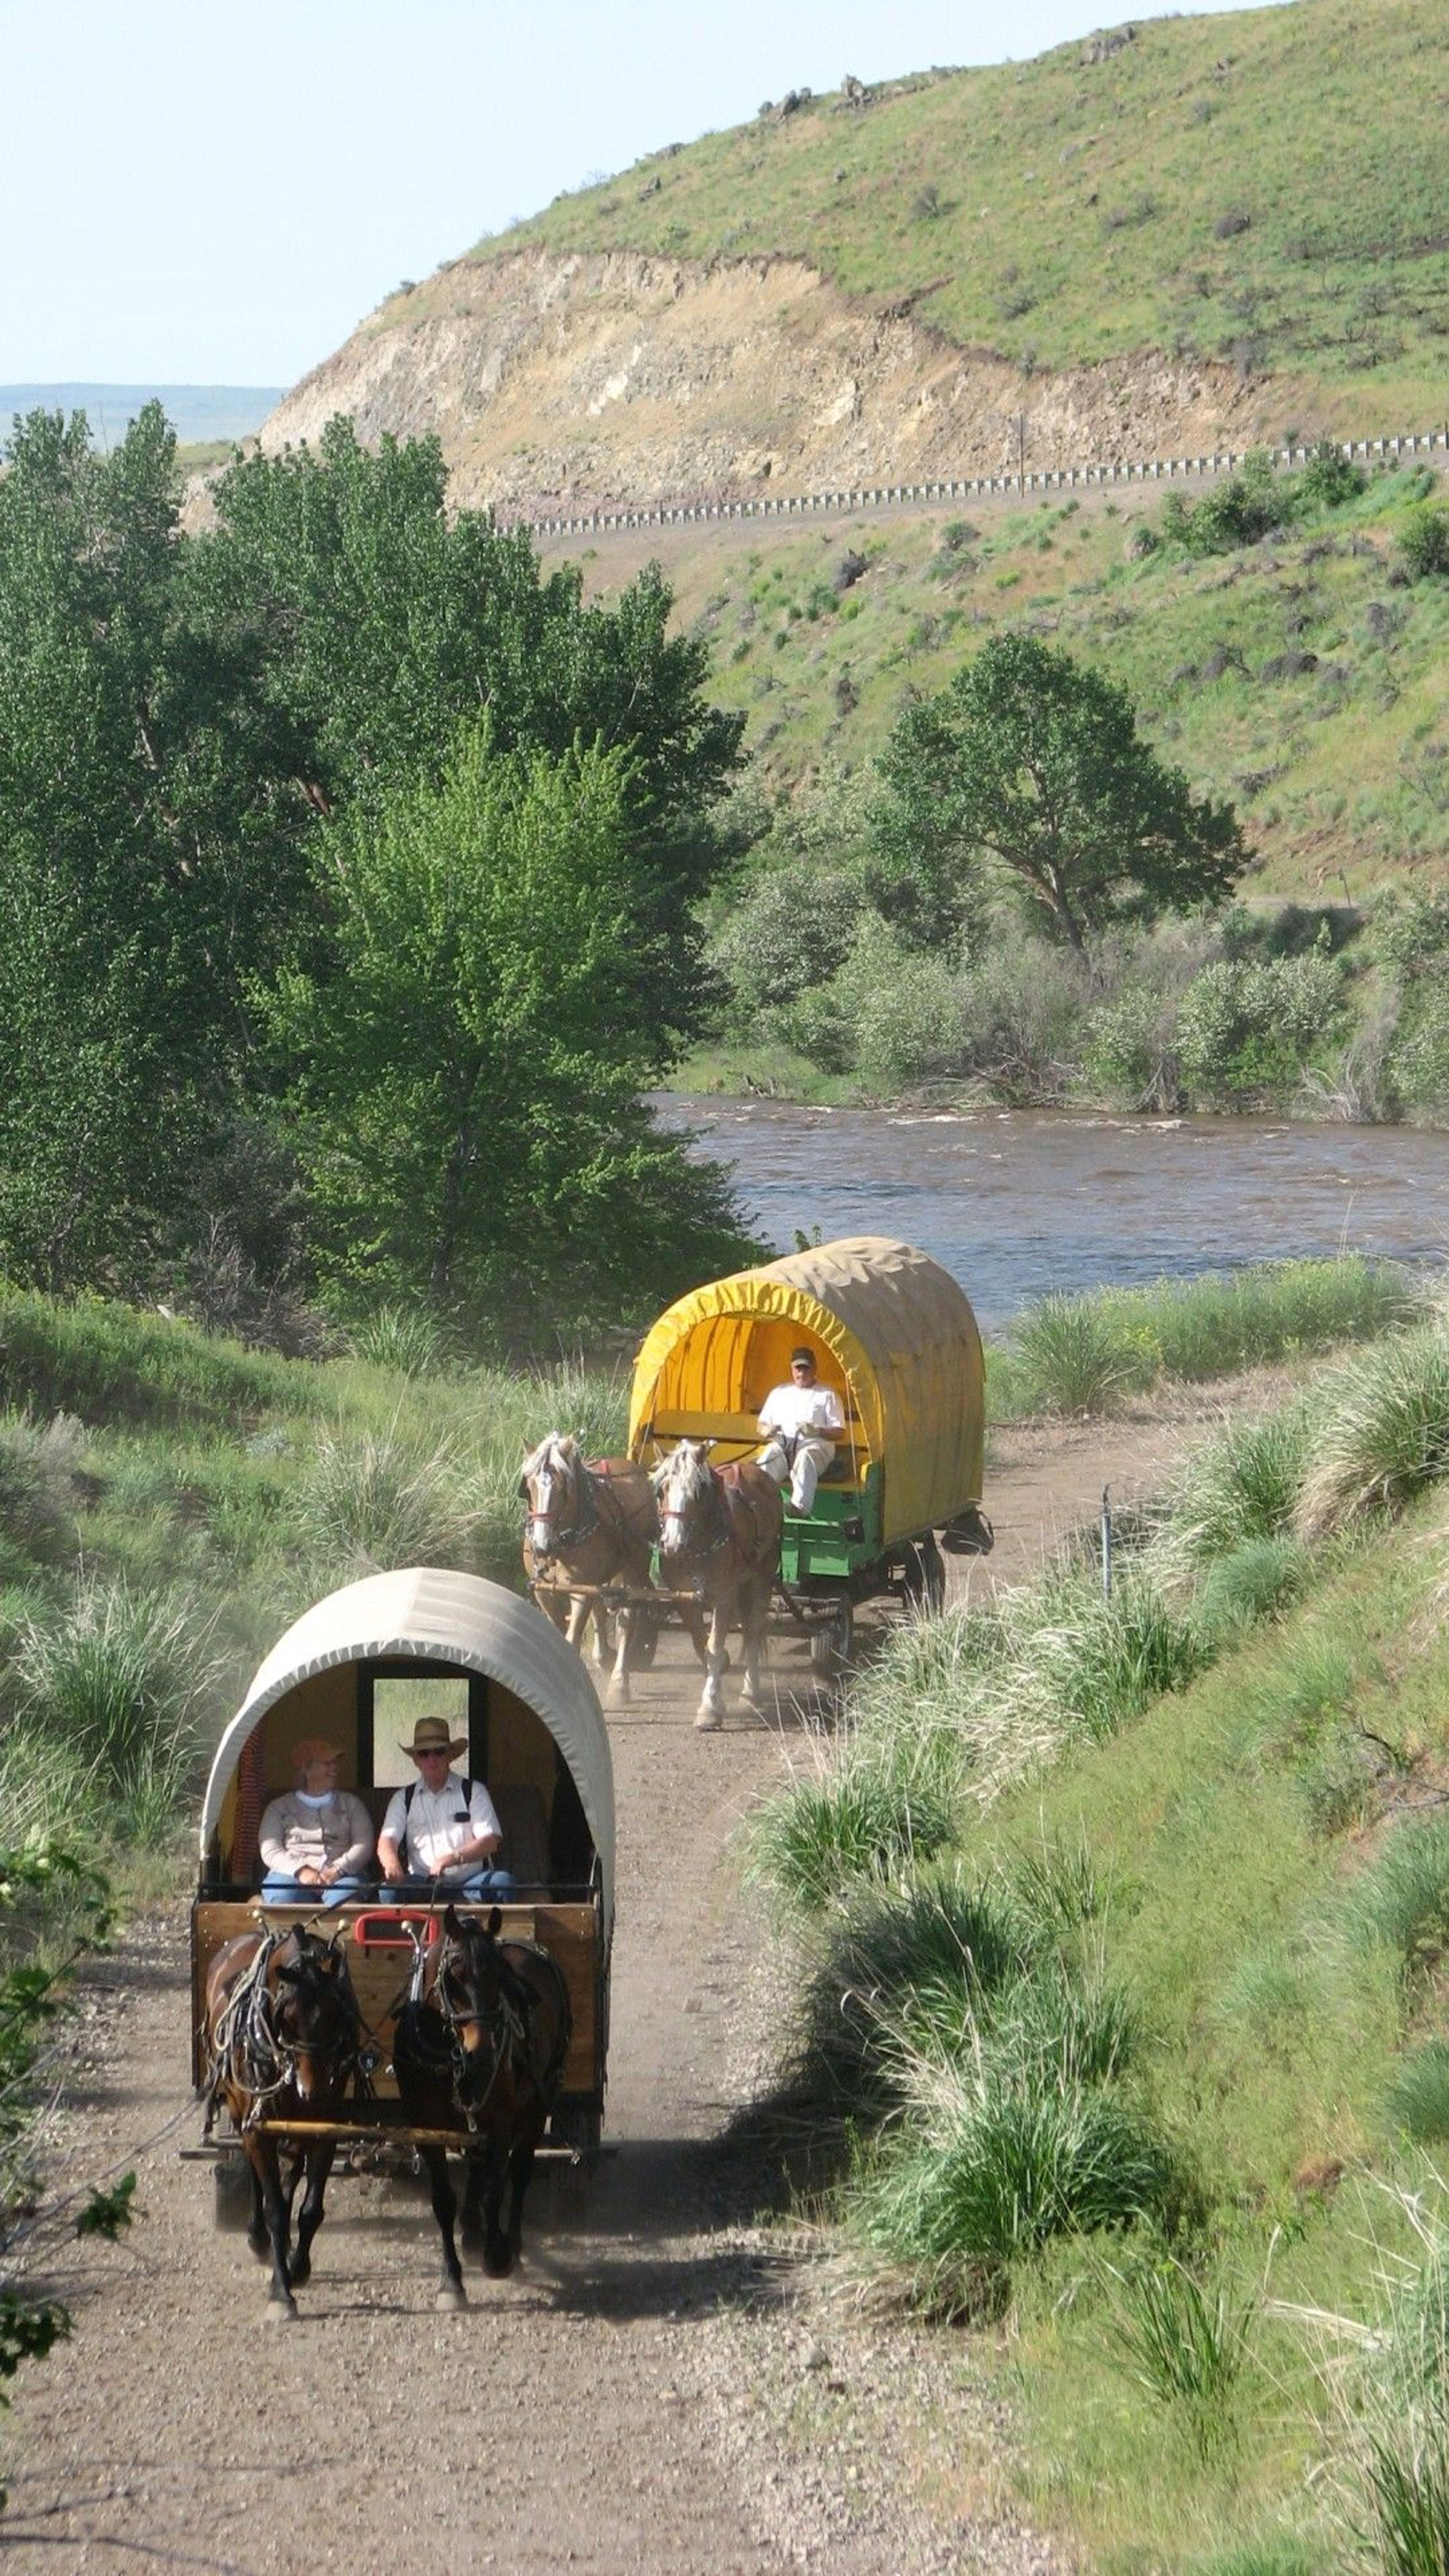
(580, 382)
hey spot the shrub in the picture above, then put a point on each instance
(1330, 479)
(1132, 1050)
(1424, 543)
(1245, 1026)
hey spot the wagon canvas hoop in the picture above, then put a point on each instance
(459, 1619)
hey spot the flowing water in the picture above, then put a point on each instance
(1016, 1202)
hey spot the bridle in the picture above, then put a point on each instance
(251, 2043)
(503, 2028)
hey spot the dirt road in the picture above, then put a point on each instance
(659, 2387)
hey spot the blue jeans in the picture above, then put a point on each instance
(279, 1889)
(482, 1883)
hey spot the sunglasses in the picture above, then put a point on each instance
(431, 1753)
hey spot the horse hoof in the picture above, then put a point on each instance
(451, 2302)
(281, 2313)
(498, 2262)
(708, 1722)
(301, 2275)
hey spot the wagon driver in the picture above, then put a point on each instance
(317, 1840)
(800, 1421)
(443, 1831)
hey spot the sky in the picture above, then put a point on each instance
(193, 193)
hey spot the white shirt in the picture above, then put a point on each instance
(436, 1823)
(802, 1408)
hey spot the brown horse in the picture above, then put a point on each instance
(719, 1538)
(283, 2034)
(593, 1523)
(480, 2049)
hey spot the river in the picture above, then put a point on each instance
(1016, 1202)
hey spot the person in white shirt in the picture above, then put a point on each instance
(799, 1421)
(442, 1832)
(316, 1841)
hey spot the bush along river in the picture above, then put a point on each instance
(1018, 1202)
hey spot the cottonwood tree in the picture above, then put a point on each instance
(1030, 767)
(466, 1073)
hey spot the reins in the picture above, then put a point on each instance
(248, 2049)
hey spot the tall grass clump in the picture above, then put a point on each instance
(1242, 1485)
(860, 1819)
(372, 1502)
(890, 1969)
(1402, 1899)
(1071, 1357)
(1382, 1433)
(37, 1483)
(983, 2171)
(1184, 2346)
(1408, 2485)
(117, 1684)
(406, 1339)
(1417, 2101)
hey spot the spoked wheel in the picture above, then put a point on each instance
(644, 1627)
(831, 1641)
(924, 1575)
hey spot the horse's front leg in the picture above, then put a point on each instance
(451, 2293)
(281, 2306)
(309, 2217)
(754, 1610)
(497, 2245)
(520, 2170)
(579, 1607)
(619, 1678)
(716, 1664)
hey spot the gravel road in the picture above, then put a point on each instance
(660, 2387)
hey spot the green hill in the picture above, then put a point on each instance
(1269, 189)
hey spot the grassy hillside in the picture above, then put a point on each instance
(1124, 1935)
(1266, 189)
(1335, 763)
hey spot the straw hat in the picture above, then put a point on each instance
(430, 1735)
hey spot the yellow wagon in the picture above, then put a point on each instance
(895, 1336)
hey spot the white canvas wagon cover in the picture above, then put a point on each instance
(462, 1620)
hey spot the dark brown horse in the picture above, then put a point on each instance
(719, 1539)
(591, 1522)
(480, 2050)
(282, 2035)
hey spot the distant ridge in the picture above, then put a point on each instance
(196, 412)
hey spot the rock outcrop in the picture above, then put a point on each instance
(580, 382)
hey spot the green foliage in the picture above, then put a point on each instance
(1417, 2101)
(402, 1337)
(1034, 764)
(1402, 1899)
(1409, 2488)
(117, 1683)
(1245, 1026)
(1235, 512)
(466, 1074)
(371, 1504)
(1183, 2346)
(1071, 1356)
(1424, 543)
(894, 1966)
(1383, 1431)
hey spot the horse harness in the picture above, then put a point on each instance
(593, 1477)
(508, 2039)
(724, 1483)
(247, 2043)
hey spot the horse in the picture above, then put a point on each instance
(596, 1522)
(479, 2048)
(719, 1537)
(283, 2037)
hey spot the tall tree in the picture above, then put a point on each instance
(466, 1076)
(1031, 767)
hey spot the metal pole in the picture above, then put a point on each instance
(1106, 1542)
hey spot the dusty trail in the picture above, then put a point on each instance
(655, 2390)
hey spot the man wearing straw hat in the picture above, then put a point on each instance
(315, 1841)
(441, 1833)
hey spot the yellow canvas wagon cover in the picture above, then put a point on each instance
(905, 1348)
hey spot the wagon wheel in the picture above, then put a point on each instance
(231, 2177)
(831, 1641)
(924, 1574)
(644, 1625)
